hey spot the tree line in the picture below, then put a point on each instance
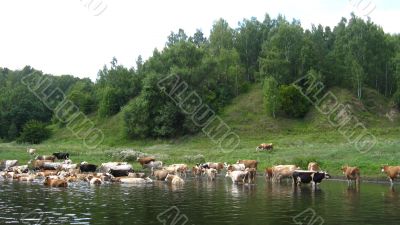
(354, 54)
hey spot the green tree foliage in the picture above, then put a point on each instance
(271, 95)
(281, 52)
(354, 54)
(221, 36)
(20, 103)
(292, 102)
(83, 95)
(152, 113)
(115, 87)
(248, 41)
(34, 132)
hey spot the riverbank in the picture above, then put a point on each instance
(328, 149)
(296, 141)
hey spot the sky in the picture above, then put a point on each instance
(78, 37)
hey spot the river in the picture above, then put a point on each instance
(199, 202)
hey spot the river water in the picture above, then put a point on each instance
(199, 202)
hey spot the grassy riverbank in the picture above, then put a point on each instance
(295, 141)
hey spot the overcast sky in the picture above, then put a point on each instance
(67, 37)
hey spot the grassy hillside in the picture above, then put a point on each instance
(296, 141)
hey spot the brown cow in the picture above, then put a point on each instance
(46, 157)
(313, 166)
(38, 164)
(46, 173)
(174, 180)
(268, 173)
(351, 173)
(159, 174)
(392, 172)
(145, 160)
(249, 163)
(265, 146)
(281, 171)
(28, 177)
(55, 182)
(211, 173)
(250, 175)
(196, 171)
(218, 165)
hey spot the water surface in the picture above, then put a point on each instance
(199, 202)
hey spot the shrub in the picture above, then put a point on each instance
(302, 162)
(194, 158)
(396, 99)
(293, 103)
(131, 155)
(34, 132)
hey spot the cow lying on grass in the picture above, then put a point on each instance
(265, 146)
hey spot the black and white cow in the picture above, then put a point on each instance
(306, 177)
(86, 167)
(61, 155)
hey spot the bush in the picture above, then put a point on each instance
(194, 158)
(34, 132)
(130, 155)
(396, 98)
(109, 103)
(293, 103)
(302, 162)
(127, 154)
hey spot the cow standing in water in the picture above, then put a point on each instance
(392, 172)
(248, 163)
(351, 173)
(313, 166)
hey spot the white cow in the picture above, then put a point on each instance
(105, 167)
(68, 167)
(133, 180)
(154, 164)
(31, 151)
(236, 167)
(174, 180)
(211, 173)
(236, 176)
(19, 169)
(180, 169)
(4, 165)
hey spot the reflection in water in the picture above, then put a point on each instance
(217, 202)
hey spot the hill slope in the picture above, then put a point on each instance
(296, 141)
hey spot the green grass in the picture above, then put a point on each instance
(295, 141)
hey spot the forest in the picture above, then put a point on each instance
(274, 52)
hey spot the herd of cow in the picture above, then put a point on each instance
(58, 170)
